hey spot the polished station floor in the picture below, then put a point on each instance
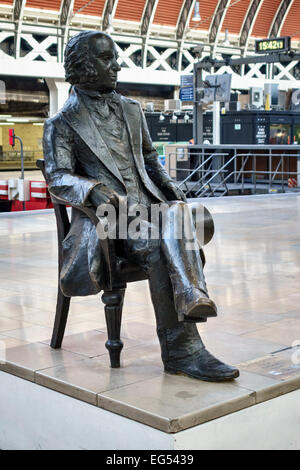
(253, 274)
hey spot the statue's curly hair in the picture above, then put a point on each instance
(78, 66)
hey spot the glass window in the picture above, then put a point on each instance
(280, 134)
(297, 133)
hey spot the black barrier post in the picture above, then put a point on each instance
(12, 138)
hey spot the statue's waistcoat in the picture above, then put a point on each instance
(110, 123)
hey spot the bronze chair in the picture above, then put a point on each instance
(119, 273)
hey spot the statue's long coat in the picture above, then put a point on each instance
(76, 160)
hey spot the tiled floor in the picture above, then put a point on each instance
(34, 175)
(253, 273)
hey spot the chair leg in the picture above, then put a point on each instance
(62, 310)
(113, 301)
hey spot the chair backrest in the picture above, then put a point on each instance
(61, 215)
(63, 227)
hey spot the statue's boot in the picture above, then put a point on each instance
(183, 352)
(182, 349)
(192, 305)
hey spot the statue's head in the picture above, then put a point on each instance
(91, 61)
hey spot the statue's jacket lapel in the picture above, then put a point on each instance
(79, 119)
(132, 116)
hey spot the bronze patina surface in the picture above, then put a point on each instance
(98, 151)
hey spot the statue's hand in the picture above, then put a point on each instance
(103, 195)
(172, 192)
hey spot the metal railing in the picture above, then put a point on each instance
(11, 160)
(219, 170)
(13, 155)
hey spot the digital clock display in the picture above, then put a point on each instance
(273, 45)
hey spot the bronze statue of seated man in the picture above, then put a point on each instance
(98, 151)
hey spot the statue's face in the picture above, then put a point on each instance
(104, 57)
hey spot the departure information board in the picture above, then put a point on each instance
(263, 46)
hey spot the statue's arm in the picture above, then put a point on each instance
(60, 166)
(154, 168)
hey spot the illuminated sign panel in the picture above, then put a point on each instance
(263, 46)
